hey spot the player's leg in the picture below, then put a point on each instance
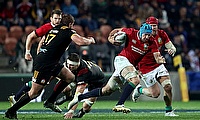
(108, 89)
(152, 91)
(152, 88)
(67, 94)
(12, 99)
(166, 84)
(66, 76)
(129, 73)
(26, 98)
(49, 103)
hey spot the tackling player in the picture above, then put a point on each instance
(88, 75)
(154, 73)
(137, 44)
(55, 19)
(47, 61)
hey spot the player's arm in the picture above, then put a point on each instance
(112, 35)
(29, 42)
(170, 48)
(40, 44)
(79, 40)
(79, 89)
(159, 59)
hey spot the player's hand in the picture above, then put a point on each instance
(68, 115)
(92, 39)
(161, 60)
(28, 57)
(171, 52)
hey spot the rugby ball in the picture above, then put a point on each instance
(119, 38)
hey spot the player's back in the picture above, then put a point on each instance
(89, 71)
(55, 43)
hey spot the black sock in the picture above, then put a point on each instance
(94, 93)
(23, 90)
(59, 87)
(125, 94)
(20, 103)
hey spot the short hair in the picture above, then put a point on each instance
(74, 57)
(56, 11)
(67, 18)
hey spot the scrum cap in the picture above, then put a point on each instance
(145, 28)
(152, 20)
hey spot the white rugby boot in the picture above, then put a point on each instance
(171, 114)
(136, 93)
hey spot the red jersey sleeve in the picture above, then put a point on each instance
(41, 31)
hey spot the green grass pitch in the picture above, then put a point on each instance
(102, 110)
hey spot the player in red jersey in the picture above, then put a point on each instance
(154, 73)
(138, 43)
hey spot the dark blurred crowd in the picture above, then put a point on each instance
(179, 18)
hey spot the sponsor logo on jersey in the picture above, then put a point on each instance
(146, 46)
(42, 81)
(137, 50)
(159, 40)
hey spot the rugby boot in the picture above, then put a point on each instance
(121, 108)
(52, 106)
(136, 93)
(11, 115)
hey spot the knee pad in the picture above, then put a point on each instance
(130, 75)
(166, 82)
(72, 85)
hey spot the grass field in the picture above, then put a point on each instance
(102, 110)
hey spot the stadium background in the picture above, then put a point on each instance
(179, 18)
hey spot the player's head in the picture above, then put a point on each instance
(73, 61)
(68, 20)
(145, 32)
(153, 21)
(56, 16)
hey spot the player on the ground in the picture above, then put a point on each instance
(46, 63)
(55, 19)
(137, 44)
(153, 73)
(87, 75)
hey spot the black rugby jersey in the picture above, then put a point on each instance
(88, 72)
(56, 42)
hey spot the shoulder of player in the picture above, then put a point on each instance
(47, 25)
(161, 32)
(129, 29)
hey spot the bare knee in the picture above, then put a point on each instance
(155, 94)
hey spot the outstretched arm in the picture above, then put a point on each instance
(79, 89)
(79, 40)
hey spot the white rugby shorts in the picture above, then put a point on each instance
(150, 78)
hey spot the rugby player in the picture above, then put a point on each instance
(137, 44)
(46, 63)
(153, 73)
